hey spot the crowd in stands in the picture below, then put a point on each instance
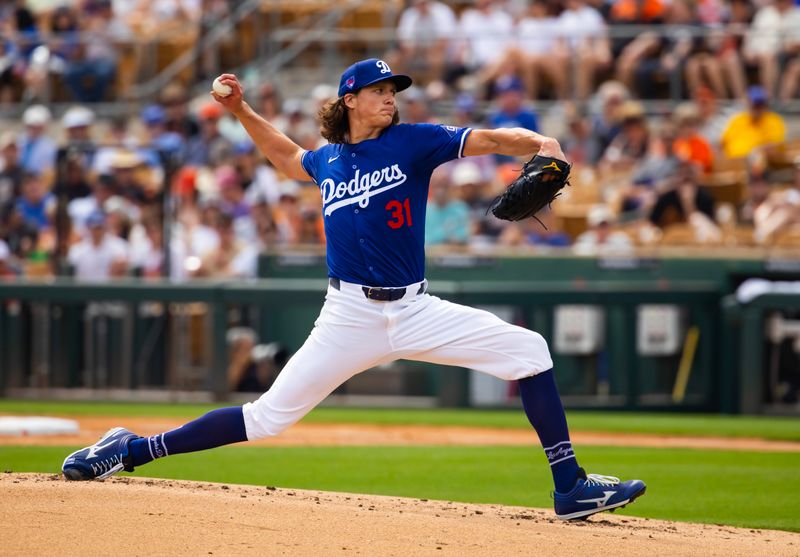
(80, 43)
(564, 48)
(87, 196)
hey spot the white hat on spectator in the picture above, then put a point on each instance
(323, 92)
(5, 253)
(466, 173)
(599, 214)
(77, 117)
(36, 115)
(293, 106)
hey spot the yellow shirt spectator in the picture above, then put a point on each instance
(746, 131)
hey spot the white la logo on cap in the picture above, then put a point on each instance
(383, 66)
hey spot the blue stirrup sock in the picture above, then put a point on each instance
(545, 412)
(218, 427)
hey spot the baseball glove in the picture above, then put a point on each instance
(538, 184)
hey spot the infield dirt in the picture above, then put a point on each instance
(45, 515)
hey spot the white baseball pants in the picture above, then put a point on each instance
(354, 333)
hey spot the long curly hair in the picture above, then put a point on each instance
(334, 125)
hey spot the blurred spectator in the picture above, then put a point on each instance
(90, 76)
(80, 208)
(758, 190)
(210, 147)
(579, 145)
(633, 12)
(684, 201)
(485, 33)
(100, 255)
(298, 126)
(424, 35)
(175, 101)
(774, 33)
(584, 31)
(146, 248)
(415, 107)
(6, 270)
(266, 229)
(689, 144)
(632, 144)
(770, 209)
(312, 226)
(472, 184)
(169, 145)
(288, 214)
(790, 80)
(713, 117)
(10, 170)
(447, 216)
(62, 48)
(35, 203)
(234, 257)
(259, 179)
(232, 202)
(545, 232)
(166, 11)
(193, 241)
(19, 21)
(37, 150)
(601, 238)
(719, 64)
(73, 182)
(637, 198)
(538, 57)
(115, 139)
(21, 236)
(125, 168)
(270, 104)
(9, 74)
(650, 60)
(77, 122)
(753, 128)
(606, 119)
(511, 111)
(465, 111)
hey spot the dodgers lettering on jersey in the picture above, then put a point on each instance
(374, 196)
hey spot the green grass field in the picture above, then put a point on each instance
(775, 428)
(748, 489)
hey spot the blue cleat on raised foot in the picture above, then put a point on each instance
(595, 493)
(103, 459)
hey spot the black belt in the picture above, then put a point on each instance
(381, 294)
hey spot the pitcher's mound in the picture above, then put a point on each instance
(43, 514)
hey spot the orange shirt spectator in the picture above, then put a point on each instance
(635, 11)
(695, 149)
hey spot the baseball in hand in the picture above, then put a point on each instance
(221, 89)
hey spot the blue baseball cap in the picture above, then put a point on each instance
(508, 83)
(367, 72)
(757, 94)
(96, 218)
(153, 114)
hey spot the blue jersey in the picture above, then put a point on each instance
(374, 195)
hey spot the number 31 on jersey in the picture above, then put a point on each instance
(400, 213)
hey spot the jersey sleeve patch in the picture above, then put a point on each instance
(439, 143)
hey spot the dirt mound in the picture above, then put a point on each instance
(44, 514)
